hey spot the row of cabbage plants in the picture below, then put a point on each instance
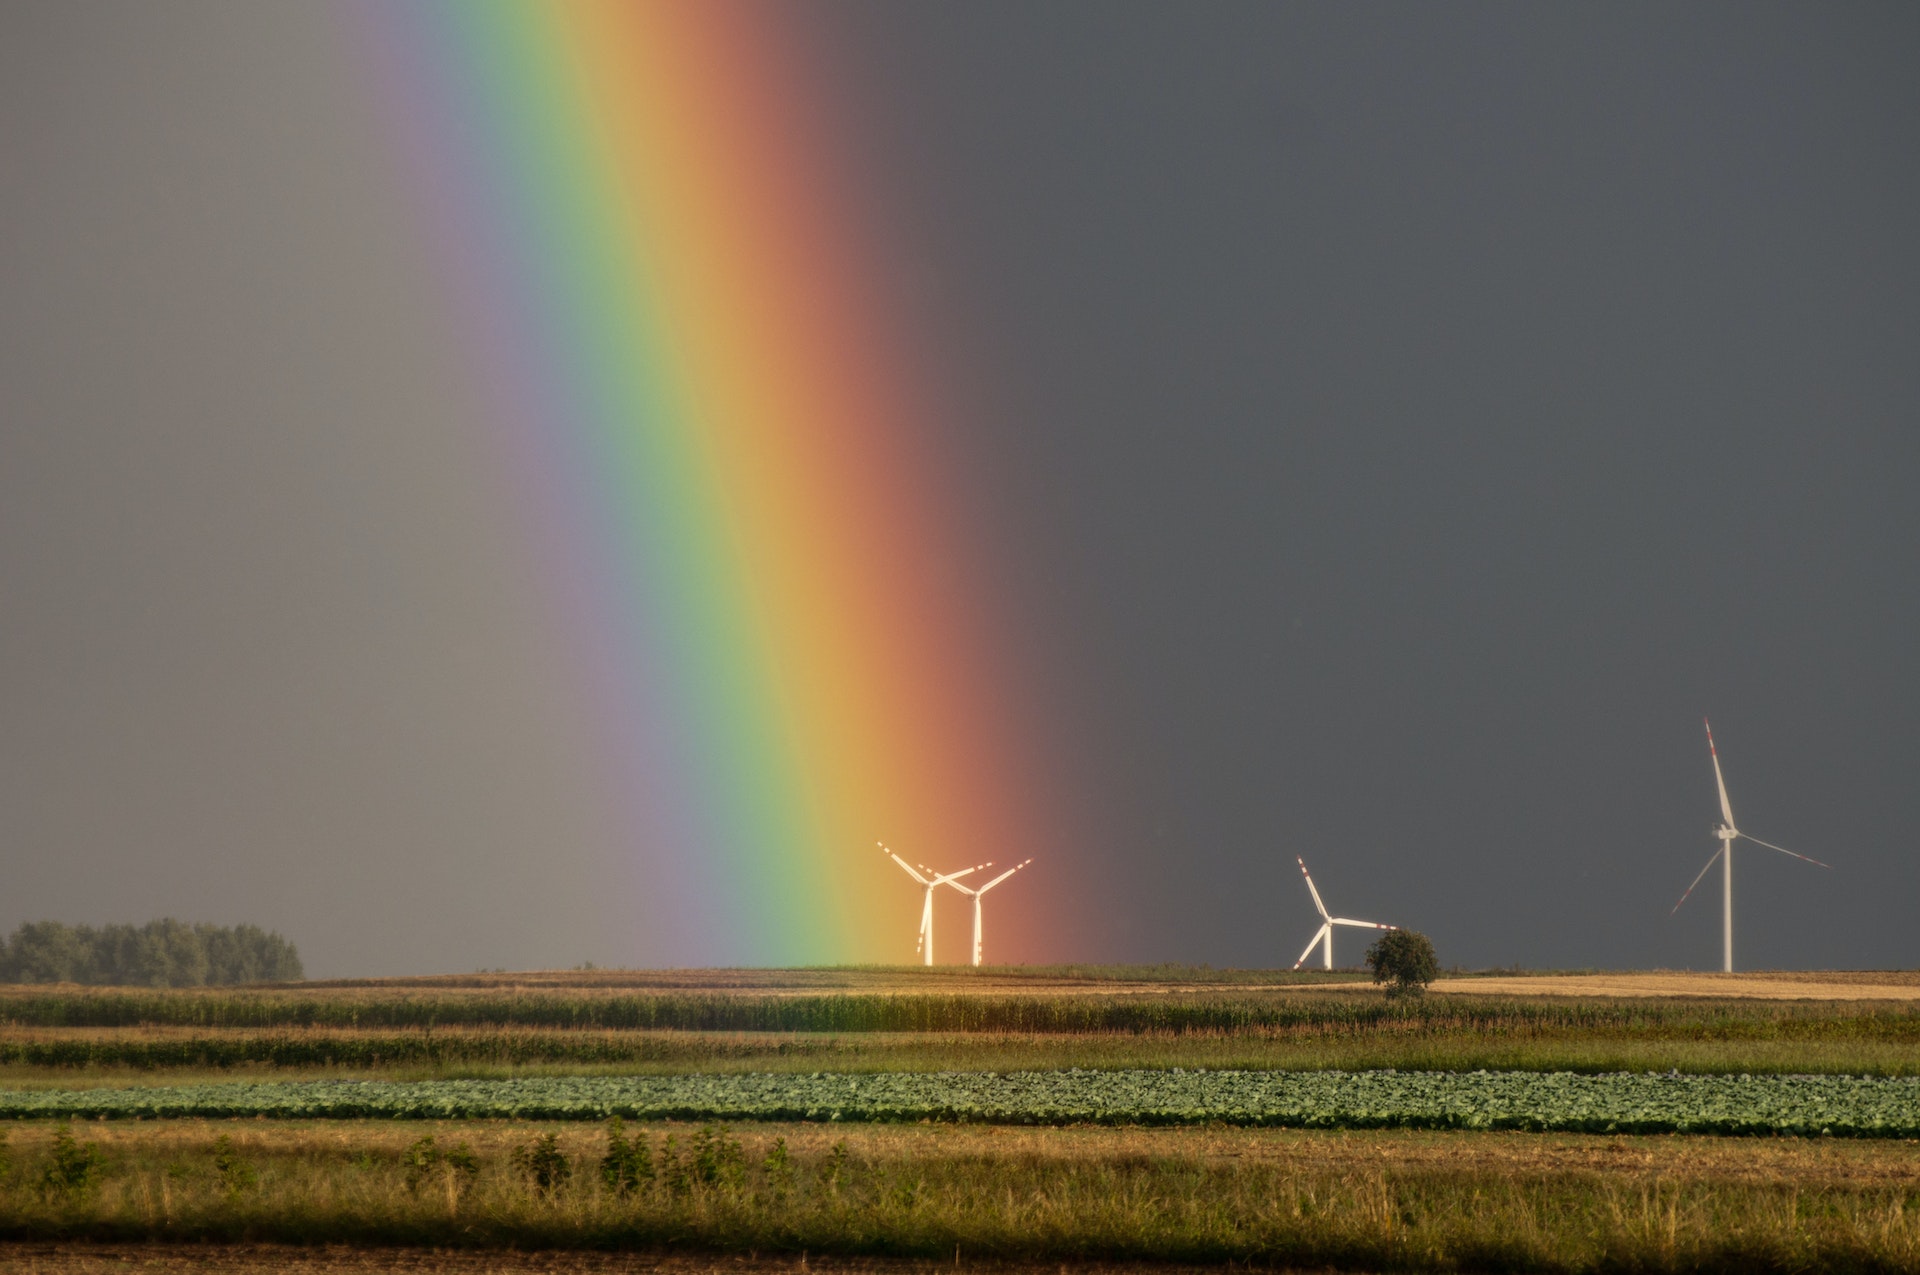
(1624, 1103)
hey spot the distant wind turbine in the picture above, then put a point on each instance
(976, 901)
(1323, 937)
(1727, 834)
(934, 880)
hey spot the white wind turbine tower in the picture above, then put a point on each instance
(1727, 834)
(933, 880)
(1323, 937)
(976, 900)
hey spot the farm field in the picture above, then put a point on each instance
(1104, 1118)
(1842, 1106)
(875, 1021)
(1384, 1200)
(1885, 1045)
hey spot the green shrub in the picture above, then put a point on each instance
(543, 1164)
(425, 1160)
(834, 1170)
(778, 1166)
(235, 1174)
(72, 1169)
(717, 1159)
(628, 1164)
(420, 1160)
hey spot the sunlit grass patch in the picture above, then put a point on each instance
(1357, 1200)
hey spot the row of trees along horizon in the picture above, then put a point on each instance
(163, 953)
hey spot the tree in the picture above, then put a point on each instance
(163, 953)
(1405, 959)
(47, 952)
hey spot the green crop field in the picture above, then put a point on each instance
(1840, 1106)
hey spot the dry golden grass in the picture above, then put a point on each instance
(1825, 1160)
(1800, 985)
(1028, 1197)
(270, 1259)
(1812, 1164)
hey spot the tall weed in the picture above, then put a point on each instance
(628, 1163)
(73, 1169)
(543, 1165)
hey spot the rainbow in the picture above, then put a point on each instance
(730, 457)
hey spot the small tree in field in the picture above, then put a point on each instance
(1405, 959)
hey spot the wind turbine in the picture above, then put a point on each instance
(1323, 937)
(933, 880)
(1727, 834)
(976, 900)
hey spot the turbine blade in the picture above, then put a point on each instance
(1310, 890)
(1783, 850)
(948, 878)
(1726, 807)
(1313, 943)
(902, 862)
(997, 880)
(1360, 925)
(1703, 872)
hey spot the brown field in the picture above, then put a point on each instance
(1798, 985)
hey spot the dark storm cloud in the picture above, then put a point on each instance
(1397, 426)
(1411, 420)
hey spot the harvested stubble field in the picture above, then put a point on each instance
(1382, 1199)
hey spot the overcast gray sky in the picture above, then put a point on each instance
(1398, 424)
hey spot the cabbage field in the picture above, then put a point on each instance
(1555, 1101)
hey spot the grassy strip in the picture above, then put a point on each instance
(1214, 1013)
(1369, 1202)
(61, 1056)
(1745, 1105)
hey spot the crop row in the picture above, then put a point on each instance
(1207, 1013)
(1622, 1103)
